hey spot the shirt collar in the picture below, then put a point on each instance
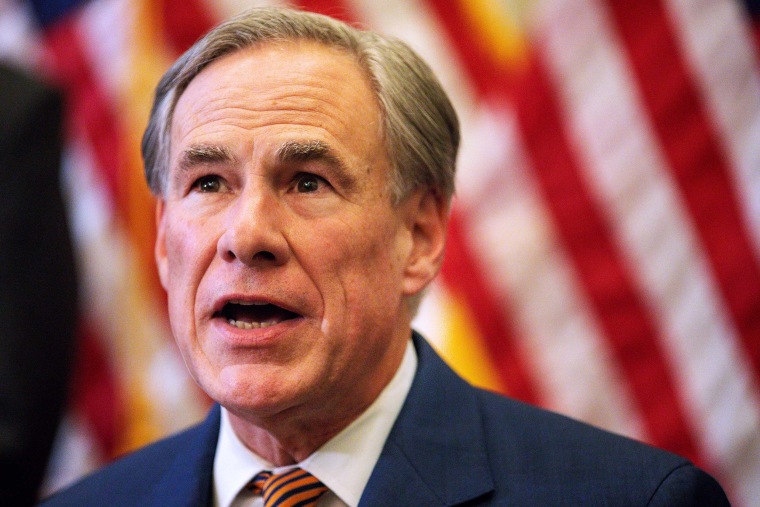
(344, 464)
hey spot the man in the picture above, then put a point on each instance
(303, 171)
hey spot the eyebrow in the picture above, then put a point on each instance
(300, 151)
(291, 151)
(204, 154)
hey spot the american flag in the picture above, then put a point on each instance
(604, 251)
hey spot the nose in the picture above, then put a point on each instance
(253, 232)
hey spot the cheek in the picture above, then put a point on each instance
(177, 282)
(374, 264)
(185, 244)
(185, 264)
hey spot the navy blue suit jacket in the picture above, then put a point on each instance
(452, 444)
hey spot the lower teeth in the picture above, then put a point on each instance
(250, 325)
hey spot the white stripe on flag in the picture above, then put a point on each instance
(413, 22)
(19, 40)
(716, 39)
(223, 9)
(106, 29)
(516, 241)
(628, 172)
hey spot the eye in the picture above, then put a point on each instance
(308, 183)
(208, 183)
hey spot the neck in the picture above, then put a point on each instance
(284, 442)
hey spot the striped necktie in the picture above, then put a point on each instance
(289, 489)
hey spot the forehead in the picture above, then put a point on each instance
(296, 88)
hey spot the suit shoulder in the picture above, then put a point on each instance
(525, 455)
(687, 485)
(558, 456)
(544, 428)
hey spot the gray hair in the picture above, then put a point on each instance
(421, 128)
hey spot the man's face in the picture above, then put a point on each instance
(285, 263)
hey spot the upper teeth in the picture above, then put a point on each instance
(248, 303)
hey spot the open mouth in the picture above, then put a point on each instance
(252, 315)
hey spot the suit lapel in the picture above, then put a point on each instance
(186, 481)
(436, 452)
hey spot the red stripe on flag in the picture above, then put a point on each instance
(89, 115)
(697, 160)
(338, 9)
(753, 21)
(184, 22)
(94, 390)
(628, 325)
(484, 73)
(461, 275)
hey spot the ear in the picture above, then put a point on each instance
(160, 248)
(427, 220)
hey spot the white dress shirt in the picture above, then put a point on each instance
(344, 463)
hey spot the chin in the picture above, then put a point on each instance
(246, 390)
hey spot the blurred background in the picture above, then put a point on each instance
(604, 251)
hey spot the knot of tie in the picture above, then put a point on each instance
(295, 488)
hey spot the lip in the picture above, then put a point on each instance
(255, 337)
(251, 299)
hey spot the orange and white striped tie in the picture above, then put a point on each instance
(295, 488)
